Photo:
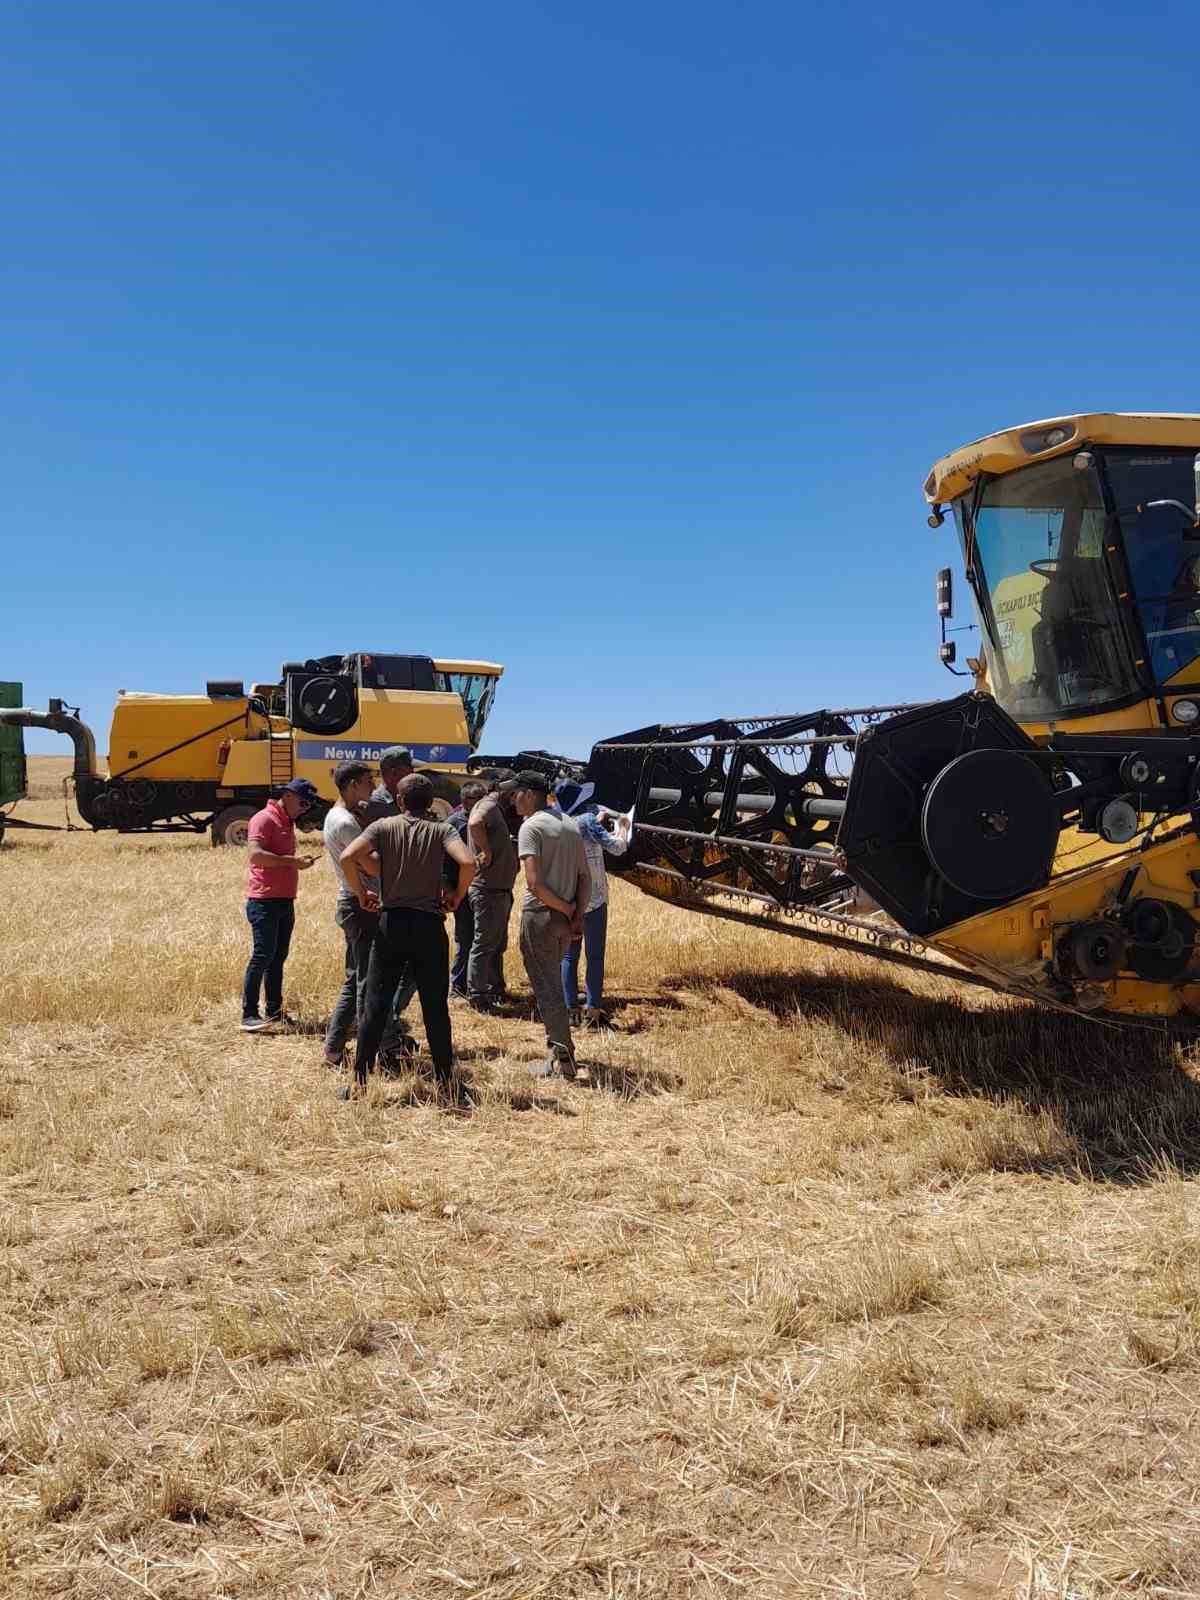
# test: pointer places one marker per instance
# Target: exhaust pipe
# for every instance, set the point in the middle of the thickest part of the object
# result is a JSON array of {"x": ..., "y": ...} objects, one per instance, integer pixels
[{"x": 59, "y": 720}]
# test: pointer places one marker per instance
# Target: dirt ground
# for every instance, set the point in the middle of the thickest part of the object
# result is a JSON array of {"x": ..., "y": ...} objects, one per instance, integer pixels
[{"x": 834, "y": 1284}]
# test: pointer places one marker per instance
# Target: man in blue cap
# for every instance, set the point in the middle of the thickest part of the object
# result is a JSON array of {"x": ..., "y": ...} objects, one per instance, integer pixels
[{"x": 272, "y": 880}]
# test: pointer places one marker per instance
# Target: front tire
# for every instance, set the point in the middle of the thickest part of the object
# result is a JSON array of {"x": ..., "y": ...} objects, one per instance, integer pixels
[{"x": 232, "y": 826}]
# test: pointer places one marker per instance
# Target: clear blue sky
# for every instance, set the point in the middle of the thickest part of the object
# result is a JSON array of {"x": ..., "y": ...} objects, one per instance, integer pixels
[{"x": 611, "y": 342}]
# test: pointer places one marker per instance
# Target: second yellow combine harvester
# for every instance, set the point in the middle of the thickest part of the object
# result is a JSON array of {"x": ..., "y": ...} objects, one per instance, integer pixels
[
  {"x": 190, "y": 763},
  {"x": 1040, "y": 830}
]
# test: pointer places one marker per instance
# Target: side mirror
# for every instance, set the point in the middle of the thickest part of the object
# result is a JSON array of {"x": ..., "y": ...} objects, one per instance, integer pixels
[{"x": 947, "y": 651}]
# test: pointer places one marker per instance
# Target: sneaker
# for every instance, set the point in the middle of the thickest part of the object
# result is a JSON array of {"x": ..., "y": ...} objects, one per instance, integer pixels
[
  {"x": 458, "y": 994},
  {"x": 281, "y": 1019},
  {"x": 334, "y": 1063},
  {"x": 254, "y": 1024},
  {"x": 594, "y": 1017}
]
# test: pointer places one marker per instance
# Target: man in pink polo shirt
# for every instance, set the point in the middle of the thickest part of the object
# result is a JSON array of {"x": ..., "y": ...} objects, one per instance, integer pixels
[{"x": 272, "y": 881}]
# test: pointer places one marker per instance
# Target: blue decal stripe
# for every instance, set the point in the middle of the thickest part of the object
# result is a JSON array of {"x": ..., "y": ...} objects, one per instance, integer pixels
[{"x": 338, "y": 750}]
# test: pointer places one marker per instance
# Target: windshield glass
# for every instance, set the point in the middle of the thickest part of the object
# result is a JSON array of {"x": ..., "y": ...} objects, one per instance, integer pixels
[
  {"x": 1054, "y": 641},
  {"x": 477, "y": 690},
  {"x": 1162, "y": 552}
]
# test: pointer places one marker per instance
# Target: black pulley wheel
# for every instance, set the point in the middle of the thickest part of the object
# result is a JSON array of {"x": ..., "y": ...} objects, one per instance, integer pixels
[
  {"x": 326, "y": 704},
  {"x": 990, "y": 824}
]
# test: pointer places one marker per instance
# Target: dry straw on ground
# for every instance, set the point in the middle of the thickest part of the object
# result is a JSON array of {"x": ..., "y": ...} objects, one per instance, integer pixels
[{"x": 835, "y": 1284}]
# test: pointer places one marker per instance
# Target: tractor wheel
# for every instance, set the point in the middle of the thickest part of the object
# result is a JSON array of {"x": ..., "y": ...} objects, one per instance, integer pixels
[{"x": 232, "y": 826}]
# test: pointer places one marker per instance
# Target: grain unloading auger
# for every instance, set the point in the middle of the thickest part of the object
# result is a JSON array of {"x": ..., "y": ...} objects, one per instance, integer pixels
[{"x": 1040, "y": 834}]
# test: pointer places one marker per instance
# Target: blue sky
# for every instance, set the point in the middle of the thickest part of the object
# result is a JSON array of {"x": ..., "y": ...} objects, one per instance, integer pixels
[{"x": 612, "y": 344}]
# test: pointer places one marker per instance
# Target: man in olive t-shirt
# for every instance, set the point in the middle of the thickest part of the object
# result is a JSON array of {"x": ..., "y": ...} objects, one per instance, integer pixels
[{"x": 407, "y": 853}]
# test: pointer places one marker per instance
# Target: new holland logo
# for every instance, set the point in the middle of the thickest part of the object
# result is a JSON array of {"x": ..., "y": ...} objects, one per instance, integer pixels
[{"x": 336, "y": 750}]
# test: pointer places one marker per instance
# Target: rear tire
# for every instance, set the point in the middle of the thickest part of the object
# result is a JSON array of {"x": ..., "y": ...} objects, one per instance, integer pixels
[{"x": 232, "y": 826}]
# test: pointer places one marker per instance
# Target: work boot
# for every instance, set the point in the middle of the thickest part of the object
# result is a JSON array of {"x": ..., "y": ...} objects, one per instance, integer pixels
[
  {"x": 394, "y": 1062},
  {"x": 453, "y": 1092},
  {"x": 559, "y": 1063}
]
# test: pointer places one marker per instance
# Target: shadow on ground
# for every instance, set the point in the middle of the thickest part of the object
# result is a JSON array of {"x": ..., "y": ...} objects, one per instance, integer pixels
[
  {"x": 629, "y": 1082},
  {"x": 1125, "y": 1096}
]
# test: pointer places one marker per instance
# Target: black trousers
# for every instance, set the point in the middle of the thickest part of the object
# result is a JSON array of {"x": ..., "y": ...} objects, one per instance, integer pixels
[
  {"x": 464, "y": 935},
  {"x": 416, "y": 938}
]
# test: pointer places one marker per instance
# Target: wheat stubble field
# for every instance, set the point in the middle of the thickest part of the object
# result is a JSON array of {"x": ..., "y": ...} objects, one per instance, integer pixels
[{"x": 837, "y": 1284}]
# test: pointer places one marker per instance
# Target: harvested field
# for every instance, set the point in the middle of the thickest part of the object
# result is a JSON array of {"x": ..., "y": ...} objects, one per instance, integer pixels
[{"x": 836, "y": 1284}]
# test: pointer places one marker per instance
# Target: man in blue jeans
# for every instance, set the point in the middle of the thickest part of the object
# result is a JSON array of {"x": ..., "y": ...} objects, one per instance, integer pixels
[
  {"x": 602, "y": 834},
  {"x": 272, "y": 880},
  {"x": 464, "y": 916}
]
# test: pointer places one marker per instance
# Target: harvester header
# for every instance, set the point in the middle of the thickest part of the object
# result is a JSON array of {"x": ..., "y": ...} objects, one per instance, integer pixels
[{"x": 1039, "y": 834}]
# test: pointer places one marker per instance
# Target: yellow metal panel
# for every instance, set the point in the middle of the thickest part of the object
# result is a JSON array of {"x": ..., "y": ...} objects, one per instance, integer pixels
[
  {"x": 146, "y": 727},
  {"x": 1017, "y": 940},
  {"x": 1129, "y": 719},
  {"x": 248, "y": 766},
  {"x": 408, "y": 716}
]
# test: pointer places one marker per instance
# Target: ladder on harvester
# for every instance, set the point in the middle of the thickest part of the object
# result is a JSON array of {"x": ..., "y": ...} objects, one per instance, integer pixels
[{"x": 282, "y": 753}]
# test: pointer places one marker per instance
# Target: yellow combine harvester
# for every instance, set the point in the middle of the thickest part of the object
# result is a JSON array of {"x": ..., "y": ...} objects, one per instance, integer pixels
[
  {"x": 186, "y": 763},
  {"x": 1040, "y": 830}
]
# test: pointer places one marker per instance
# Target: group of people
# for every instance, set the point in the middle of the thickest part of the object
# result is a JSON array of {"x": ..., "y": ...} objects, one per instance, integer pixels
[{"x": 400, "y": 870}]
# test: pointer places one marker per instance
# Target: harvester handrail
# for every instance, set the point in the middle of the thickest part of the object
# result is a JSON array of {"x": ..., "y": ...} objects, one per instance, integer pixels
[
  {"x": 852, "y": 711},
  {"x": 736, "y": 744}
]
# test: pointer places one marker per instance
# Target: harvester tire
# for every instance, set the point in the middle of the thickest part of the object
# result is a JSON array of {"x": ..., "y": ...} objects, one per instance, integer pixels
[{"x": 232, "y": 826}]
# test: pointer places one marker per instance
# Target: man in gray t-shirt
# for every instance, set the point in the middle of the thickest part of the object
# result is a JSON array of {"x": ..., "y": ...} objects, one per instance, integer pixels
[
  {"x": 491, "y": 899},
  {"x": 409, "y": 852},
  {"x": 557, "y": 886}
]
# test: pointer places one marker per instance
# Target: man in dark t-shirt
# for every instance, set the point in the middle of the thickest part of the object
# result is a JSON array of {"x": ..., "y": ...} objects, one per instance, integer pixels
[
  {"x": 491, "y": 899},
  {"x": 407, "y": 853}
]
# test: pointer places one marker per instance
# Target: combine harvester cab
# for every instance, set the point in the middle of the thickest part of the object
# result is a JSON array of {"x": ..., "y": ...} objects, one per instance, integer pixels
[
  {"x": 188, "y": 763},
  {"x": 1038, "y": 834}
]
